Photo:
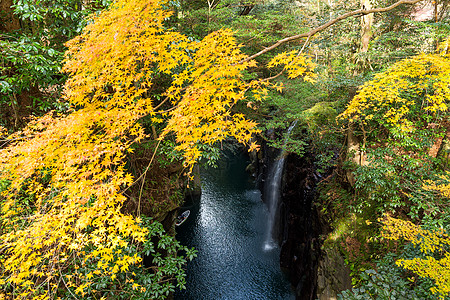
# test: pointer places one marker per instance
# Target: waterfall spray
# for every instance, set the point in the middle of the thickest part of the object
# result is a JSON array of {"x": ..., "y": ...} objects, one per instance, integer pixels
[{"x": 273, "y": 191}]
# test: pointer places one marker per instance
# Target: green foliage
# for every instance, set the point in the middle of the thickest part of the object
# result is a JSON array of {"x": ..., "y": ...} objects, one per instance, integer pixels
[
  {"x": 321, "y": 113},
  {"x": 397, "y": 184},
  {"x": 325, "y": 136},
  {"x": 387, "y": 282},
  {"x": 27, "y": 63},
  {"x": 32, "y": 55},
  {"x": 265, "y": 23},
  {"x": 61, "y": 20},
  {"x": 398, "y": 36},
  {"x": 279, "y": 110},
  {"x": 426, "y": 254},
  {"x": 266, "y": 26}
]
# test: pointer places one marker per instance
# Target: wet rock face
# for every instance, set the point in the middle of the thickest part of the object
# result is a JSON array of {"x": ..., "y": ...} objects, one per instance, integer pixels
[
  {"x": 299, "y": 227},
  {"x": 314, "y": 274}
]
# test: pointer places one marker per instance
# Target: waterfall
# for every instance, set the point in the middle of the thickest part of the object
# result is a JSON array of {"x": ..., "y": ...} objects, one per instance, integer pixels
[{"x": 273, "y": 187}]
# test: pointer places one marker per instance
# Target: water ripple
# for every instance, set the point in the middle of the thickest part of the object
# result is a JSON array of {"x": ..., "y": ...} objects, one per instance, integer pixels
[{"x": 227, "y": 226}]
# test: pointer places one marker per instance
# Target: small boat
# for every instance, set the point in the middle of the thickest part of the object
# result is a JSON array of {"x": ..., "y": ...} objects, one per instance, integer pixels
[{"x": 183, "y": 217}]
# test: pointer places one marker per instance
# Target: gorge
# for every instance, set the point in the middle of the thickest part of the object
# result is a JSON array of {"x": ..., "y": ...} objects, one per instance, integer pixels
[
  {"x": 227, "y": 226},
  {"x": 257, "y": 239}
]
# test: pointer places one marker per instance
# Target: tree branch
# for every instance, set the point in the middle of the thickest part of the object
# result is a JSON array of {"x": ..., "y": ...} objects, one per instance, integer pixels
[{"x": 359, "y": 12}]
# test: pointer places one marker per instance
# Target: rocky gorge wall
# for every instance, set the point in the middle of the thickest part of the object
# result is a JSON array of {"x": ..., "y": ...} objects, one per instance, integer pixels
[
  {"x": 314, "y": 273},
  {"x": 299, "y": 226}
]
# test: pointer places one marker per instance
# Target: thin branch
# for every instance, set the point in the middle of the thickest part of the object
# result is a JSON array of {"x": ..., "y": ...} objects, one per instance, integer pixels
[
  {"x": 143, "y": 179},
  {"x": 160, "y": 104},
  {"x": 359, "y": 12},
  {"x": 62, "y": 277},
  {"x": 304, "y": 45},
  {"x": 167, "y": 110},
  {"x": 143, "y": 174},
  {"x": 7, "y": 141},
  {"x": 165, "y": 100}
]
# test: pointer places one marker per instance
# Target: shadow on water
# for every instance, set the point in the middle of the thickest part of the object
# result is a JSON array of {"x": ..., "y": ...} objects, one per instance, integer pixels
[{"x": 227, "y": 226}]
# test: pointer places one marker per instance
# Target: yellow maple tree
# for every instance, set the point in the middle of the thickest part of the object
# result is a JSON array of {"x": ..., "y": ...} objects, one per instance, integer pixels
[
  {"x": 62, "y": 178},
  {"x": 391, "y": 97}
]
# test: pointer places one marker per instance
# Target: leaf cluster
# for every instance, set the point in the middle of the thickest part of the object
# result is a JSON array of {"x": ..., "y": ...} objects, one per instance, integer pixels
[{"x": 433, "y": 244}]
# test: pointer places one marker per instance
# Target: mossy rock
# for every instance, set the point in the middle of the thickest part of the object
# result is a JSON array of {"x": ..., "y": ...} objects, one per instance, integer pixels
[{"x": 321, "y": 113}]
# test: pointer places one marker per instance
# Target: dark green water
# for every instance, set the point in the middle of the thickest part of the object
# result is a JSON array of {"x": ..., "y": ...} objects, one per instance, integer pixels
[{"x": 228, "y": 227}]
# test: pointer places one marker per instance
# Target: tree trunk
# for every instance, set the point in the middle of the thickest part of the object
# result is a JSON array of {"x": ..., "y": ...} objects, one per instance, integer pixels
[
  {"x": 247, "y": 9},
  {"x": 366, "y": 26}
]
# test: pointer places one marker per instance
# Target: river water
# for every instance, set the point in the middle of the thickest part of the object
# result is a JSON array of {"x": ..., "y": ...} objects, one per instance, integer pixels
[{"x": 228, "y": 227}]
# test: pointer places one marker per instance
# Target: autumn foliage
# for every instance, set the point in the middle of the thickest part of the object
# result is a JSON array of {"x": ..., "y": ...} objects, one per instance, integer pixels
[
  {"x": 433, "y": 244},
  {"x": 407, "y": 105},
  {"x": 393, "y": 97},
  {"x": 63, "y": 229}
]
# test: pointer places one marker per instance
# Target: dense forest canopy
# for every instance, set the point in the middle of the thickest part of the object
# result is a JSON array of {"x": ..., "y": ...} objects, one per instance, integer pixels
[{"x": 107, "y": 106}]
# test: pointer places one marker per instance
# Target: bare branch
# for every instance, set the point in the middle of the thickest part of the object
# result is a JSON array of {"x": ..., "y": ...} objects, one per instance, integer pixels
[{"x": 359, "y": 12}]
